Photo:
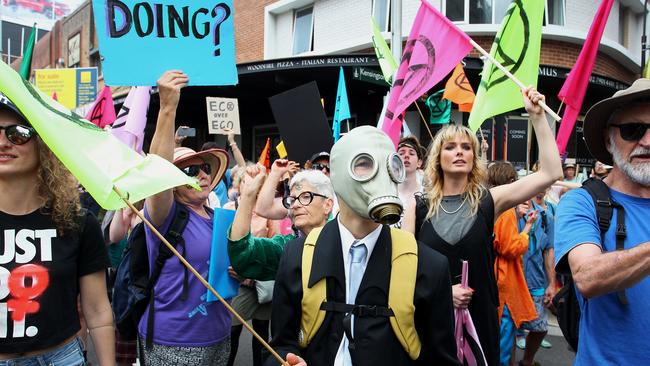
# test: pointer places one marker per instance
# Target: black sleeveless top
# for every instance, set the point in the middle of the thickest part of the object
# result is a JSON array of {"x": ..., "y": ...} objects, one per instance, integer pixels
[{"x": 477, "y": 249}]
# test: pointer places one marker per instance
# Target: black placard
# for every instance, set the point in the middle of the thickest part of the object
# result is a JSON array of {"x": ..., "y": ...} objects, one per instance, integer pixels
[
  {"x": 517, "y": 143},
  {"x": 302, "y": 122}
]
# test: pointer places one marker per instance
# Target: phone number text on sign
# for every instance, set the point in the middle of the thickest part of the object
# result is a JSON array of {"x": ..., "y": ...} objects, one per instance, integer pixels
[{"x": 223, "y": 115}]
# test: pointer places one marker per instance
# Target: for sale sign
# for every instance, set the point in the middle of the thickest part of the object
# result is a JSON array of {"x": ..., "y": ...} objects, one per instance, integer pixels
[{"x": 223, "y": 115}]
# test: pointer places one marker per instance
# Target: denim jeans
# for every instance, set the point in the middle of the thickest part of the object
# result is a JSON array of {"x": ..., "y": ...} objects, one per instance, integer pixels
[{"x": 69, "y": 354}]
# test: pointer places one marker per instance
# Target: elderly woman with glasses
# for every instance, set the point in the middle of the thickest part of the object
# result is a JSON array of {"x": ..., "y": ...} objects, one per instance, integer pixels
[
  {"x": 310, "y": 204},
  {"x": 51, "y": 253}
]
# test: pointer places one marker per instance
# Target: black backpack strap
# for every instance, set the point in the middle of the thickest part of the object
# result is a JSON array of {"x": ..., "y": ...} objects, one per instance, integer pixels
[
  {"x": 605, "y": 206},
  {"x": 174, "y": 236}
]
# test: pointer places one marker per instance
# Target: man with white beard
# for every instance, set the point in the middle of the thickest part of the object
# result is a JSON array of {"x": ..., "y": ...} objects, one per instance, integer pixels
[{"x": 613, "y": 327}]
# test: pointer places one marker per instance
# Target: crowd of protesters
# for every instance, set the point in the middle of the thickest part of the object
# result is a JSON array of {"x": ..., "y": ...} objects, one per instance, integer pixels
[{"x": 509, "y": 228}]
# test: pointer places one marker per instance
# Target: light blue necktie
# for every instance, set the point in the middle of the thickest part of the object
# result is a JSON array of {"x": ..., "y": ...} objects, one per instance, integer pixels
[{"x": 358, "y": 254}]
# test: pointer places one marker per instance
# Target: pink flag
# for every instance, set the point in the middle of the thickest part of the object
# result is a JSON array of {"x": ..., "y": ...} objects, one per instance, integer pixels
[
  {"x": 102, "y": 112},
  {"x": 130, "y": 122},
  {"x": 575, "y": 86},
  {"x": 434, "y": 47},
  {"x": 464, "y": 326}
]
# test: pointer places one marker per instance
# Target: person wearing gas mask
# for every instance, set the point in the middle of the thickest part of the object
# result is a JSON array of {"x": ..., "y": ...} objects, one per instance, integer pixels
[{"x": 357, "y": 292}]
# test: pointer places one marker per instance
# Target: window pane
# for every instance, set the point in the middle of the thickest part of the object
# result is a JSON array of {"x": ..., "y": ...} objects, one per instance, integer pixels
[
  {"x": 302, "y": 31},
  {"x": 480, "y": 11},
  {"x": 455, "y": 10},
  {"x": 500, "y": 8},
  {"x": 380, "y": 11},
  {"x": 555, "y": 12}
]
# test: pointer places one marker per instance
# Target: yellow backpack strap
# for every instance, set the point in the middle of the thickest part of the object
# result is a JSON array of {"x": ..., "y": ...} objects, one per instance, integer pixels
[
  {"x": 403, "y": 275},
  {"x": 312, "y": 298}
]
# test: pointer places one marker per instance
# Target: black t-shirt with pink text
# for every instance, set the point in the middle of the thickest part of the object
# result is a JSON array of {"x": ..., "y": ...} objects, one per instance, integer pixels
[{"x": 39, "y": 278}]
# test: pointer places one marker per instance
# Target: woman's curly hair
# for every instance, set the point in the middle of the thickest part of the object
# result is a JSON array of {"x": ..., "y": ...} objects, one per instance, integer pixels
[{"x": 58, "y": 189}]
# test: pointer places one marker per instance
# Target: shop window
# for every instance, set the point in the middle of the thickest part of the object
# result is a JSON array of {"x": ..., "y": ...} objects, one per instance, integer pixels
[
  {"x": 381, "y": 13},
  {"x": 455, "y": 10},
  {"x": 475, "y": 11},
  {"x": 554, "y": 12},
  {"x": 480, "y": 11},
  {"x": 303, "y": 30}
]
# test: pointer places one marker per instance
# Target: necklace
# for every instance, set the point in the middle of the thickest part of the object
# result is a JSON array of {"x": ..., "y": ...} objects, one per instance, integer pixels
[{"x": 456, "y": 210}]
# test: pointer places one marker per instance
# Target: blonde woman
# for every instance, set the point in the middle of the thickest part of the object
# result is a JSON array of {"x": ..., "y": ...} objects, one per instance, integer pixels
[
  {"x": 456, "y": 213},
  {"x": 51, "y": 253}
]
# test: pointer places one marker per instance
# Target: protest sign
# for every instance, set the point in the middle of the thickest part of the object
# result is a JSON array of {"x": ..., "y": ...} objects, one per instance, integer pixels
[
  {"x": 517, "y": 137},
  {"x": 140, "y": 40},
  {"x": 302, "y": 122},
  {"x": 223, "y": 115},
  {"x": 218, "y": 275},
  {"x": 73, "y": 87}
]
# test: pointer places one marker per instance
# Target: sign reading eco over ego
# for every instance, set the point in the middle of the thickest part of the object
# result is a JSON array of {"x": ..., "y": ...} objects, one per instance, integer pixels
[{"x": 140, "y": 40}]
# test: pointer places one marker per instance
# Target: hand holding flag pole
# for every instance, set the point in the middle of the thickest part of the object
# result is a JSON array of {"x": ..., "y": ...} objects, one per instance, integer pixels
[
  {"x": 198, "y": 275},
  {"x": 496, "y": 63}
]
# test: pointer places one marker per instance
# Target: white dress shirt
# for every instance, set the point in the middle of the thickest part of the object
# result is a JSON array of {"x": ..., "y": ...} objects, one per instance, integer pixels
[{"x": 347, "y": 239}]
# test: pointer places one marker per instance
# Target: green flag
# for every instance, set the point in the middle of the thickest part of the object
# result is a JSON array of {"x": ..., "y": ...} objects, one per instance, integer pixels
[
  {"x": 517, "y": 48},
  {"x": 385, "y": 57},
  {"x": 439, "y": 108},
  {"x": 26, "y": 63},
  {"x": 95, "y": 157},
  {"x": 646, "y": 70}
]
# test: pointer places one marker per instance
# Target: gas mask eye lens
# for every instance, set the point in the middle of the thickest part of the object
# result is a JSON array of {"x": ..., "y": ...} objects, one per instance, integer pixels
[
  {"x": 363, "y": 167},
  {"x": 396, "y": 168}
]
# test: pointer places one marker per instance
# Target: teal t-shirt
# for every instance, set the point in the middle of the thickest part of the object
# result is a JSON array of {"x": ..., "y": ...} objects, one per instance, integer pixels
[{"x": 610, "y": 333}]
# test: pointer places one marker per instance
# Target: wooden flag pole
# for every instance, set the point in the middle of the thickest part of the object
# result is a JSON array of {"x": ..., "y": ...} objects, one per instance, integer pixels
[
  {"x": 198, "y": 275},
  {"x": 512, "y": 77},
  {"x": 423, "y": 119},
  {"x": 561, "y": 104}
]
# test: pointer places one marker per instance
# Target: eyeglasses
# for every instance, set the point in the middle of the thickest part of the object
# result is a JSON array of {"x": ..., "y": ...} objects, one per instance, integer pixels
[
  {"x": 632, "y": 131},
  {"x": 18, "y": 134},
  {"x": 321, "y": 167},
  {"x": 304, "y": 198},
  {"x": 193, "y": 170}
]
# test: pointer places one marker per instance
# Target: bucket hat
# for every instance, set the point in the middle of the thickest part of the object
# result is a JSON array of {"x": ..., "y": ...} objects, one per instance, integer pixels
[{"x": 598, "y": 116}]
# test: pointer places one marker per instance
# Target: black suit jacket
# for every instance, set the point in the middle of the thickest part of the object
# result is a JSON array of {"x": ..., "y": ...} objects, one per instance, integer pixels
[{"x": 375, "y": 342}]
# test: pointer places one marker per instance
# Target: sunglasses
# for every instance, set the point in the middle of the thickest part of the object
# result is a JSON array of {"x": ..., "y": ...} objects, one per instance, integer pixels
[
  {"x": 304, "y": 198},
  {"x": 632, "y": 131},
  {"x": 18, "y": 134},
  {"x": 321, "y": 167},
  {"x": 193, "y": 170}
]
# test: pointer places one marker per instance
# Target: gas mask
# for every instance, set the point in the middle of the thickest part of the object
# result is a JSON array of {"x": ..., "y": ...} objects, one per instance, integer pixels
[{"x": 365, "y": 171}]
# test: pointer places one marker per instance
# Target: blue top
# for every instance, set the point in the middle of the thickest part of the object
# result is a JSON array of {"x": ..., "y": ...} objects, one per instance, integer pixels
[
  {"x": 610, "y": 333},
  {"x": 540, "y": 239},
  {"x": 193, "y": 322}
]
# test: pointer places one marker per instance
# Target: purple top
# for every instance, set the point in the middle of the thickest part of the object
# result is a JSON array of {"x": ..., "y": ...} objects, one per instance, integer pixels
[{"x": 193, "y": 322}]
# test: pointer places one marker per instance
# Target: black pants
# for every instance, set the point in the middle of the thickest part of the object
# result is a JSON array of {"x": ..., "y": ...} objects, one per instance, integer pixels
[{"x": 262, "y": 328}]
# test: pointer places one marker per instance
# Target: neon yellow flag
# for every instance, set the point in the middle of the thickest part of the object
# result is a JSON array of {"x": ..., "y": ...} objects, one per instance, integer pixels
[
  {"x": 517, "y": 48},
  {"x": 97, "y": 159},
  {"x": 646, "y": 70},
  {"x": 385, "y": 57}
]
